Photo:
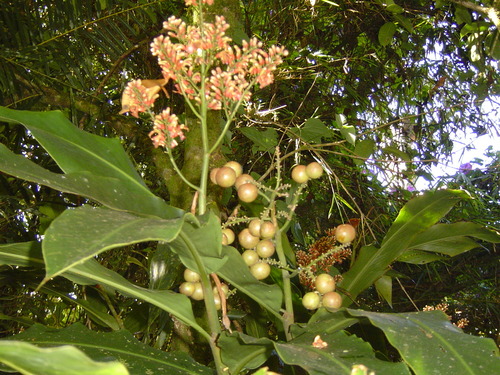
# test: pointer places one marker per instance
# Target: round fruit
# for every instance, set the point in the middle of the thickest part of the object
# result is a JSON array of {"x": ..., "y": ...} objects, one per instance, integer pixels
[
  {"x": 213, "y": 173},
  {"x": 248, "y": 192},
  {"x": 314, "y": 170},
  {"x": 191, "y": 276},
  {"x": 260, "y": 270},
  {"x": 224, "y": 239},
  {"x": 224, "y": 287},
  {"x": 225, "y": 177},
  {"x": 198, "y": 292},
  {"x": 299, "y": 174},
  {"x": 345, "y": 233},
  {"x": 311, "y": 300},
  {"x": 267, "y": 229},
  {"x": 324, "y": 283},
  {"x": 243, "y": 179},
  {"x": 217, "y": 302},
  {"x": 332, "y": 301},
  {"x": 229, "y": 235},
  {"x": 247, "y": 241},
  {"x": 265, "y": 248},
  {"x": 254, "y": 227},
  {"x": 186, "y": 288},
  {"x": 250, "y": 257},
  {"x": 238, "y": 169}
]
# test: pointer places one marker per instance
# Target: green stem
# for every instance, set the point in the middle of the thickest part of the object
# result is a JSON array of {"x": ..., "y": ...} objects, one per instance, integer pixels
[{"x": 208, "y": 296}]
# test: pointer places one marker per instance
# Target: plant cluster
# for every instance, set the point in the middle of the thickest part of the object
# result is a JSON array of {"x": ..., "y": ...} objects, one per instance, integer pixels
[{"x": 263, "y": 270}]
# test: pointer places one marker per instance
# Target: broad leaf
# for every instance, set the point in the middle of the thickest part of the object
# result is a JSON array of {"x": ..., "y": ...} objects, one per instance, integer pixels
[
  {"x": 415, "y": 217},
  {"x": 236, "y": 272},
  {"x": 240, "y": 351},
  {"x": 265, "y": 140},
  {"x": 386, "y": 33},
  {"x": 341, "y": 353},
  {"x": 363, "y": 149},
  {"x": 314, "y": 129},
  {"x": 430, "y": 344},
  {"x": 139, "y": 358},
  {"x": 91, "y": 272},
  {"x": 95, "y": 167},
  {"x": 30, "y": 359},
  {"x": 80, "y": 234}
]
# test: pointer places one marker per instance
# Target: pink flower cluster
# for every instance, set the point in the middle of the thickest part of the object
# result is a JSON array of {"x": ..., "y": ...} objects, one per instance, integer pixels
[
  {"x": 204, "y": 68},
  {"x": 233, "y": 69},
  {"x": 165, "y": 129}
]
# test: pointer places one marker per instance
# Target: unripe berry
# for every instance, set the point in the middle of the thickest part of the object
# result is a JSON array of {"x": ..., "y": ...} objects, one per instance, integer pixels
[
  {"x": 314, "y": 170},
  {"x": 324, "y": 283},
  {"x": 238, "y": 169},
  {"x": 225, "y": 177},
  {"x": 311, "y": 300},
  {"x": 345, "y": 233},
  {"x": 299, "y": 174}
]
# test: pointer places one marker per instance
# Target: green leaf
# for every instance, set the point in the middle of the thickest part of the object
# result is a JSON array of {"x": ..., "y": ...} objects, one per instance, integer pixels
[
  {"x": 430, "y": 344},
  {"x": 80, "y": 234},
  {"x": 265, "y": 140},
  {"x": 415, "y": 217},
  {"x": 363, "y": 149},
  {"x": 341, "y": 354},
  {"x": 347, "y": 131},
  {"x": 384, "y": 288},
  {"x": 397, "y": 152},
  {"x": 450, "y": 239},
  {"x": 314, "y": 130},
  {"x": 386, "y": 33},
  {"x": 419, "y": 257},
  {"x": 405, "y": 22},
  {"x": 96, "y": 167},
  {"x": 240, "y": 351},
  {"x": 139, "y": 358},
  {"x": 91, "y": 272},
  {"x": 203, "y": 236},
  {"x": 30, "y": 359},
  {"x": 236, "y": 272}
]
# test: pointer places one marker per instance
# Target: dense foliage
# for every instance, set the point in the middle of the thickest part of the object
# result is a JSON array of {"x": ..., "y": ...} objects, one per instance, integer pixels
[{"x": 374, "y": 91}]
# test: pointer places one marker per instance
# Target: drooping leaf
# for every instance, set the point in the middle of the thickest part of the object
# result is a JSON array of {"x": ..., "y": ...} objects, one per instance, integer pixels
[
  {"x": 121, "y": 346},
  {"x": 91, "y": 273},
  {"x": 450, "y": 239},
  {"x": 430, "y": 344},
  {"x": 415, "y": 217},
  {"x": 386, "y": 33},
  {"x": 347, "y": 131},
  {"x": 95, "y": 167},
  {"x": 80, "y": 234},
  {"x": 29, "y": 359}
]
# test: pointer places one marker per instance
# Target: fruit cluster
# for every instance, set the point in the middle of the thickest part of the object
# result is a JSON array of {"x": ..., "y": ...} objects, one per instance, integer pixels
[
  {"x": 232, "y": 174},
  {"x": 302, "y": 173},
  {"x": 192, "y": 287},
  {"x": 256, "y": 239},
  {"x": 324, "y": 295}
]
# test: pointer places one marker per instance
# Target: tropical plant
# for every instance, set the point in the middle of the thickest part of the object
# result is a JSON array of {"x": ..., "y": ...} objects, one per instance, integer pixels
[{"x": 262, "y": 304}]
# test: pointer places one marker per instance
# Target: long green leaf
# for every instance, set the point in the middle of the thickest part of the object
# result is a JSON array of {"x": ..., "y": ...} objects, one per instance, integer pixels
[
  {"x": 95, "y": 167},
  {"x": 29, "y": 359},
  {"x": 139, "y": 358},
  {"x": 91, "y": 272},
  {"x": 80, "y": 234},
  {"x": 450, "y": 239},
  {"x": 415, "y": 217},
  {"x": 430, "y": 344}
]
